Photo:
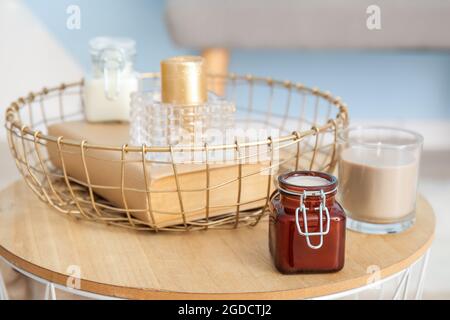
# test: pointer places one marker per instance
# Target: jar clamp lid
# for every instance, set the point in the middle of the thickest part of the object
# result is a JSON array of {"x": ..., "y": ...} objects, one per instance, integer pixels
[{"x": 310, "y": 191}]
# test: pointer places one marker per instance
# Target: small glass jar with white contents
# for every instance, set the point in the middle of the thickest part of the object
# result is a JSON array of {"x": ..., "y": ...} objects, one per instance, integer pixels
[{"x": 108, "y": 87}]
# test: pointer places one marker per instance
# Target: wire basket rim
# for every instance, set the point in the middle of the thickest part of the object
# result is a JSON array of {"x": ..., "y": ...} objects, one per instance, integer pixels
[{"x": 341, "y": 118}]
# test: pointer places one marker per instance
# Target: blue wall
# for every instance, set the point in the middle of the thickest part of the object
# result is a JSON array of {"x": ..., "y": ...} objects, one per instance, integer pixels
[{"x": 374, "y": 84}]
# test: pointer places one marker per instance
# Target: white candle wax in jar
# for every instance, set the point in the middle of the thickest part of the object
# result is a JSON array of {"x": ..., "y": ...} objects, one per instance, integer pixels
[
  {"x": 100, "y": 108},
  {"x": 107, "y": 90},
  {"x": 307, "y": 181}
]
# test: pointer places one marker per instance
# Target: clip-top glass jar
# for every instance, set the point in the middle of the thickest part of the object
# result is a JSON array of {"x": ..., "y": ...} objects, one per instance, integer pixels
[
  {"x": 307, "y": 224},
  {"x": 108, "y": 88}
]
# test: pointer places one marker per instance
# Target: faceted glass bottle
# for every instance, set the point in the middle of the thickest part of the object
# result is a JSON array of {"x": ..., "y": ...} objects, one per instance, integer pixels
[
  {"x": 307, "y": 225},
  {"x": 181, "y": 112},
  {"x": 157, "y": 123}
]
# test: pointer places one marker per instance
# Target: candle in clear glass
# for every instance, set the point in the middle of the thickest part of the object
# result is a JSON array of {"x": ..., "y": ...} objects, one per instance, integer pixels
[
  {"x": 378, "y": 172},
  {"x": 307, "y": 225},
  {"x": 107, "y": 89}
]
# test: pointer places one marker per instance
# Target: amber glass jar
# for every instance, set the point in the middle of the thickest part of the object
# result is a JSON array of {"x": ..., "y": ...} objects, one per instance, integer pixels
[{"x": 307, "y": 224}]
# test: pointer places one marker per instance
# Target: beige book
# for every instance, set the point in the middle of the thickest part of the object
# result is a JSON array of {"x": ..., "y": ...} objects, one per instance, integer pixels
[{"x": 104, "y": 168}]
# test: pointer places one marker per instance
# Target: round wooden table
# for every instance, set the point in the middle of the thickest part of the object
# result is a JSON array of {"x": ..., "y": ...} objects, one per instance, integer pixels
[{"x": 98, "y": 261}]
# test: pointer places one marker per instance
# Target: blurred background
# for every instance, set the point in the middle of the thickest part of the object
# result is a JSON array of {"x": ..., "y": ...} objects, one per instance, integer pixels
[{"x": 397, "y": 73}]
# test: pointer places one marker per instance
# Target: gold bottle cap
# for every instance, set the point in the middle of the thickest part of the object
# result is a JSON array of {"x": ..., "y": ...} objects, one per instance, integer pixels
[{"x": 183, "y": 81}]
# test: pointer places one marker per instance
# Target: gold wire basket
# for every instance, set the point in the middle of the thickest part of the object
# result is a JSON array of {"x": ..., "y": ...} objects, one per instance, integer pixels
[{"x": 307, "y": 119}]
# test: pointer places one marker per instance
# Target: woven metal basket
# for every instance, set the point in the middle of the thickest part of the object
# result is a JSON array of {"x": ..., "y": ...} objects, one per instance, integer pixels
[{"x": 307, "y": 119}]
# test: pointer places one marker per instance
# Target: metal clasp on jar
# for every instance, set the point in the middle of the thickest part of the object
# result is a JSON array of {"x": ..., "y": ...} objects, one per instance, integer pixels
[{"x": 321, "y": 210}]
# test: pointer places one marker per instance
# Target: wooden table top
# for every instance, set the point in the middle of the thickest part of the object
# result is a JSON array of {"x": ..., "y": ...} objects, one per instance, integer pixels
[{"x": 223, "y": 264}]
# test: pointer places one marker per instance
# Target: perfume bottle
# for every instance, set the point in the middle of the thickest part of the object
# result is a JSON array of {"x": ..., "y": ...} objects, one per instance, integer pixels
[
  {"x": 307, "y": 225},
  {"x": 182, "y": 112},
  {"x": 107, "y": 90}
]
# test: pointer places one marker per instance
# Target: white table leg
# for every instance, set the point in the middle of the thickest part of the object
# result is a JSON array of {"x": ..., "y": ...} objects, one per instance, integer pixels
[
  {"x": 405, "y": 290},
  {"x": 50, "y": 293},
  {"x": 423, "y": 270},
  {"x": 401, "y": 285},
  {"x": 3, "y": 291}
]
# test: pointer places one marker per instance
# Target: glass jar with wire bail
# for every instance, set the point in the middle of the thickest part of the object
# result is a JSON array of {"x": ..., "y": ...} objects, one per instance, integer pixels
[{"x": 307, "y": 225}]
